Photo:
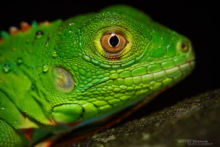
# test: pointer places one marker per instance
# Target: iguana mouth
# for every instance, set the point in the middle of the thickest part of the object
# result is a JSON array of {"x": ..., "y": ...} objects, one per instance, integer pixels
[
  {"x": 184, "y": 68},
  {"x": 165, "y": 77},
  {"x": 175, "y": 73},
  {"x": 147, "y": 84}
]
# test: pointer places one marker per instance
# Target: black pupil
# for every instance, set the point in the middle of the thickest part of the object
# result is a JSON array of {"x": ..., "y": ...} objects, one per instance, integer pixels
[{"x": 114, "y": 41}]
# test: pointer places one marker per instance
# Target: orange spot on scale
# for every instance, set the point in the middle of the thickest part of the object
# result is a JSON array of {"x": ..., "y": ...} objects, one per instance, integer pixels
[
  {"x": 1, "y": 40},
  {"x": 24, "y": 26},
  {"x": 47, "y": 143},
  {"x": 24, "y": 115},
  {"x": 13, "y": 30},
  {"x": 28, "y": 133},
  {"x": 45, "y": 23},
  {"x": 52, "y": 122},
  {"x": 74, "y": 124}
]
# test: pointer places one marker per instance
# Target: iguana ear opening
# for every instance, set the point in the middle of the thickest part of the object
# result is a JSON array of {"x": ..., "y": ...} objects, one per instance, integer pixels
[{"x": 63, "y": 79}]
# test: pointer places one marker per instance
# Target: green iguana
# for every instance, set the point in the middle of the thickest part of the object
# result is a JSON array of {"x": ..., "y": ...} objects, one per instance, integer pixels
[{"x": 61, "y": 75}]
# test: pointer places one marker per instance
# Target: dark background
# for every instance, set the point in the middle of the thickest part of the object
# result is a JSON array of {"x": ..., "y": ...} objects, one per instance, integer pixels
[{"x": 197, "y": 20}]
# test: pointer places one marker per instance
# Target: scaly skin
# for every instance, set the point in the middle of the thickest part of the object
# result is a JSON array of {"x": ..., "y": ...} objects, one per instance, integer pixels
[{"x": 60, "y": 73}]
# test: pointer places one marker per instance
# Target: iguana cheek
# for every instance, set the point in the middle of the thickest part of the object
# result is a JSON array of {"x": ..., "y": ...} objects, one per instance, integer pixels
[{"x": 63, "y": 79}]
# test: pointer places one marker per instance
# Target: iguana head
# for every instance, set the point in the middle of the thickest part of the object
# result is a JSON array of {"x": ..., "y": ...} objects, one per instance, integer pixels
[{"x": 109, "y": 60}]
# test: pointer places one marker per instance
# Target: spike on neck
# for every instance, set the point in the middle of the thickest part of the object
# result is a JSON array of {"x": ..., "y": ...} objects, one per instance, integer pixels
[{"x": 24, "y": 27}]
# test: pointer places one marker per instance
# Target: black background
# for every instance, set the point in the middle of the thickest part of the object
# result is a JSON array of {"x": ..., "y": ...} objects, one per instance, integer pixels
[{"x": 197, "y": 21}]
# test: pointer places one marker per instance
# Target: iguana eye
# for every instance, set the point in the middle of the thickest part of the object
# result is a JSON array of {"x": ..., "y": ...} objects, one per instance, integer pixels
[{"x": 113, "y": 43}]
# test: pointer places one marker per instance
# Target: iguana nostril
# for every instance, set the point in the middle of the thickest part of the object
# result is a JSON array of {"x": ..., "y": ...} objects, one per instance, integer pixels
[{"x": 184, "y": 47}]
